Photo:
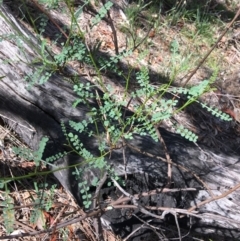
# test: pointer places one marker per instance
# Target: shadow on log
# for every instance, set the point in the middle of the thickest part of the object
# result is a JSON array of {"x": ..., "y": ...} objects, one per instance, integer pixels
[{"x": 38, "y": 111}]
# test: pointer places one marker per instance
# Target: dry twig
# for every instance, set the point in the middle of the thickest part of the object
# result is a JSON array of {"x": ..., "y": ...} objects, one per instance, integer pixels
[{"x": 213, "y": 47}]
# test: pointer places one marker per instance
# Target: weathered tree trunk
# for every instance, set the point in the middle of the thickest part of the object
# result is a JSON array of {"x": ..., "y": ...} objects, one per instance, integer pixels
[{"x": 37, "y": 112}]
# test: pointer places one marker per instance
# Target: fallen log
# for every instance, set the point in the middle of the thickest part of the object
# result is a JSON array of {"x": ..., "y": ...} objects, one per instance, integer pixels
[{"x": 38, "y": 111}]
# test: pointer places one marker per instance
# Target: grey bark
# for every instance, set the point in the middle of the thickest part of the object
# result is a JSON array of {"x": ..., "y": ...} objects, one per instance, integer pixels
[{"x": 37, "y": 112}]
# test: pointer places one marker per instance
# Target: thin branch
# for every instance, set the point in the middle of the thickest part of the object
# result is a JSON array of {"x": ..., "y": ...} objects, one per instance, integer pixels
[
  {"x": 178, "y": 228},
  {"x": 124, "y": 162},
  {"x": 110, "y": 21},
  {"x": 97, "y": 221},
  {"x": 50, "y": 17},
  {"x": 174, "y": 164},
  {"x": 146, "y": 36},
  {"x": 213, "y": 47},
  {"x": 154, "y": 229},
  {"x": 169, "y": 174},
  {"x": 150, "y": 193},
  {"x": 214, "y": 198},
  {"x": 134, "y": 231},
  {"x": 135, "y": 202}
]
